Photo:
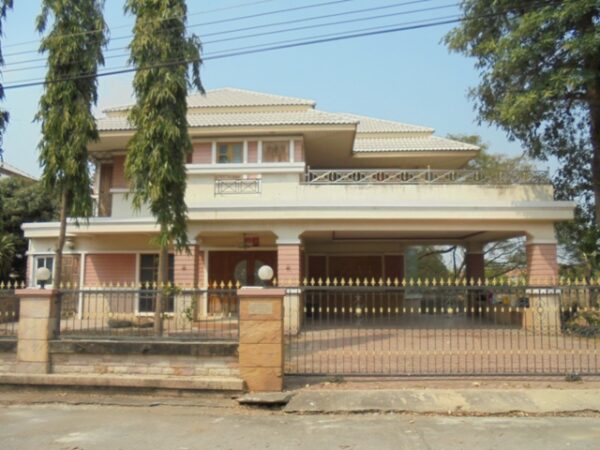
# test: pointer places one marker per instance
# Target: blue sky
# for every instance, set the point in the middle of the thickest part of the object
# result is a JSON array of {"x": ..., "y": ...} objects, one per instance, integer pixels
[{"x": 408, "y": 76}]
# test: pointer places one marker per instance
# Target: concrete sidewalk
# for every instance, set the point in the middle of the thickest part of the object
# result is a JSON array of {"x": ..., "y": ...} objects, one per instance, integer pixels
[{"x": 447, "y": 401}]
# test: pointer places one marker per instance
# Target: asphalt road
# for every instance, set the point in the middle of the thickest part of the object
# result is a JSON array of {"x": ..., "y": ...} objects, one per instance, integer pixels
[{"x": 87, "y": 427}]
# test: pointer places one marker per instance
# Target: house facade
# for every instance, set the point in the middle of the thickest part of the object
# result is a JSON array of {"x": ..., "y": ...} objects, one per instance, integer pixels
[{"x": 316, "y": 195}]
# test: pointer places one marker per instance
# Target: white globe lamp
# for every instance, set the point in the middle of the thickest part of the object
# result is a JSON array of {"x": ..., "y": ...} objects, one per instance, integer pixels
[
  {"x": 265, "y": 273},
  {"x": 42, "y": 276}
]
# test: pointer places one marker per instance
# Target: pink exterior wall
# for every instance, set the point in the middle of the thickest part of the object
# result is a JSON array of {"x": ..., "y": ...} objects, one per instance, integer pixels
[
  {"x": 298, "y": 151},
  {"x": 288, "y": 265},
  {"x": 106, "y": 268},
  {"x": 252, "y": 151},
  {"x": 542, "y": 266},
  {"x": 119, "y": 180},
  {"x": 202, "y": 153},
  {"x": 185, "y": 269}
]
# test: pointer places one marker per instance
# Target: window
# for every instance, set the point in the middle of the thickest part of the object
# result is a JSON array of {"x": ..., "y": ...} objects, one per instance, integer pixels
[
  {"x": 276, "y": 151},
  {"x": 228, "y": 153},
  {"x": 149, "y": 275},
  {"x": 48, "y": 263}
]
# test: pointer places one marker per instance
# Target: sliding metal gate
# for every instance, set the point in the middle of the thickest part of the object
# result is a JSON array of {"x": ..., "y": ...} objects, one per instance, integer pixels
[{"x": 443, "y": 330}]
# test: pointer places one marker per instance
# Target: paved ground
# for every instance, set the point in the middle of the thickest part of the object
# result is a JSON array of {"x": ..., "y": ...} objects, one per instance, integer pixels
[{"x": 69, "y": 427}]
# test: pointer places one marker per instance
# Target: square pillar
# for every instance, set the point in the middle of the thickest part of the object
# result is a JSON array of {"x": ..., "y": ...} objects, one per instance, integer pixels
[
  {"x": 542, "y": 265},
  {"x": 201, "y": 261},
  {"x": 543, "y": 315},
  {"x": 474, "y": 262},
  {"x": 474, "y": 272},
  {"x": 288, "y": 264},
  {"x": 261, "y": 338},
  {"x": 185, "y": 274},
  {"x": 288, "y": 276},
  {"x": 36, "y": 328},
  {"x": 185, "y": 277}
]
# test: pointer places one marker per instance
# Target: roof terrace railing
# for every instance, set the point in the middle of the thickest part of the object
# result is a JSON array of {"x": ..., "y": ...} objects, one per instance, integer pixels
[{"x": 424, "y": 176}]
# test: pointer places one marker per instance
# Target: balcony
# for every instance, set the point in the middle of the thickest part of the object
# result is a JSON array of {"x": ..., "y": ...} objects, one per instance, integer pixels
[
  {"x": 294, "y": 191},
  {"x": 423, "y": 176}
]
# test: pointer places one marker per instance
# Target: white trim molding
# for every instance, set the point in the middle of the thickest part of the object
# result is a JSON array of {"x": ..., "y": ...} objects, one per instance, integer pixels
[{"x": 231, "y": 168}]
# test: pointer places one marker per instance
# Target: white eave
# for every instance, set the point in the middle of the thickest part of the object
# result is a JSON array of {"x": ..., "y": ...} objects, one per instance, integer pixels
[{"x": 410, "y": 144}]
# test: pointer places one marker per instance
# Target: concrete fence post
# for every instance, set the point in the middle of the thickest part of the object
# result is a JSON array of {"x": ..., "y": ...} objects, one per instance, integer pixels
[
  {"x": 37, "y": 312},
  {"x": 261, "y": 338}
]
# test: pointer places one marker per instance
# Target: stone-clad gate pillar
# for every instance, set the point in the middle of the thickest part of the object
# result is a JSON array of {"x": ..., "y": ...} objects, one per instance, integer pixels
[
  {"x": 36, "y": 328},
  {"x": 261, "y": 338}
]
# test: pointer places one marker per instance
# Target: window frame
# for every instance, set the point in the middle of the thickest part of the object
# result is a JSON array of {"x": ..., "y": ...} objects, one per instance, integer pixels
[
  {"x": 142, "y": 292},
  {"x": 35, "y": 267},
  {"x": 287, "y": 152},
  {"x": 230, "y": 145}
]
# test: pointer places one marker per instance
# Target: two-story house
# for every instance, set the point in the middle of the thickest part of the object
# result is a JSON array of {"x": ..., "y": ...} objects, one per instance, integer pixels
[{"x": 273, "y": 180}]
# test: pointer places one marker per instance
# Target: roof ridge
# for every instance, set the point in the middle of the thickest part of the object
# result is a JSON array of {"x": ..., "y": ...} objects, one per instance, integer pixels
[
  {"x": 269, "y": 100},
  {"x": 362, "y": 116},
  {"x": 266, "y": 94}
]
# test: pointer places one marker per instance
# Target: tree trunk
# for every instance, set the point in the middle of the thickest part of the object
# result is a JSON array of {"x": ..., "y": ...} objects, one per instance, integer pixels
[
  {"x": 58, "y": 258},
  {"x": 592, "y": 65},
  {"x": 595, "y": 138},
  {"x": 161, "y": 298}
]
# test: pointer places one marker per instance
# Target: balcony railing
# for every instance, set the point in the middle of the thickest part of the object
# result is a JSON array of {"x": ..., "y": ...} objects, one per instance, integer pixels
[
  {"x": 423, "y": 176},
  {"x": 237, "y": 186}
]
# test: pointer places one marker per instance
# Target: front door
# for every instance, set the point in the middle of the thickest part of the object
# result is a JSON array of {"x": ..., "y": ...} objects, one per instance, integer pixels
[
  {"x": 234, "y": 267},
  {"x": 239, "y": 266}
]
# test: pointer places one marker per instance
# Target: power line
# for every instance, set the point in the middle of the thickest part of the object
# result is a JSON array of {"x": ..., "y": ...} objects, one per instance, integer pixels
[
  {"x": 287, "y": 30},
  {"x": 295, "y": 40},
  {"x": 266, "y": 48},
  {"x": 340, "y": 33},
  {"x": 232, "y": 53},
  {"x": 209, "y": 11},
  {"x": 230, "y": 19},
  {"x": 287, "y": 22},
  {"x": 235, "y": 30}
]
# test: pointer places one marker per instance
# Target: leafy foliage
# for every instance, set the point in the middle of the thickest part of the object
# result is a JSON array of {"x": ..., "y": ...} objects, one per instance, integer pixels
[
  {"x": 7, "y": 255},
  {"x": 430, "y": 264},
  {"x": 5, "y": 5},
  {"x": 168, "y": 62},
  {"x": 584, "y": 323},
  {"x": 493, "y": 163},
  {"x": 20, "y": 201},
  {"x": 540, "y": 82},
  {"x": 155, "y": 163},
  {"x": 74, "y": 47},
  {"x": 65, "y": 110}
]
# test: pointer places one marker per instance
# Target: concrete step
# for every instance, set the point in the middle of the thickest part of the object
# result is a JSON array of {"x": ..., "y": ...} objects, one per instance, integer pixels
[
  {"x": 126, "y": 381},
  {"x": 445, "y": 401}
]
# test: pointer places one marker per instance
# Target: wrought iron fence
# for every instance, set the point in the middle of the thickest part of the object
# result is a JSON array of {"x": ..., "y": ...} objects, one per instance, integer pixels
[
  {"x": 453, "y": 329},
  {"x": 423, "y": 176},
  {"x": 9, "y": 312},
  {"x": 187, "y": 314}
]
